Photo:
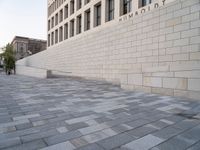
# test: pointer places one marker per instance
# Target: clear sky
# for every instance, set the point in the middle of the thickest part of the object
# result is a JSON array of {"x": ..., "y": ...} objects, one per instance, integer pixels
[{"x": 22, "y": 18}]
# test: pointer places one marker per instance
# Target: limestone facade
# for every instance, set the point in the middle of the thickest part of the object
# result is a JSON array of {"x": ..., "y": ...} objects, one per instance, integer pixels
[{"x": 157, "y": 51}]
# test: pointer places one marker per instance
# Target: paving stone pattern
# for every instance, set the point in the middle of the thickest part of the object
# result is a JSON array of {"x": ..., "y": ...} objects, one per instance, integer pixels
[{"x": 77, "y": 114}]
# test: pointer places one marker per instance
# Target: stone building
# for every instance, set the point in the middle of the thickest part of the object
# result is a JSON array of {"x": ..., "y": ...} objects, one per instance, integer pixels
[
  {"x": 24, "y": 46},
  {"x": 145, "y": 45}
]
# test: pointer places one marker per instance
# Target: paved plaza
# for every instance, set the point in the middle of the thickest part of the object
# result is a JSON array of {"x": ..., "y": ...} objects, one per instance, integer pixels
[{"x": 76, "y": 114}]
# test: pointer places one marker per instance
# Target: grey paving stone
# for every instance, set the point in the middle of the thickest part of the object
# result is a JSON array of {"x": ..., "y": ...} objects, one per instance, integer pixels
[
  {"x": 33, "y": 145},
  {"x": 121, "y": 128},
  {"x": 115, "y": 141},
  {"x": 92, "y": 129},
  {"x": 61, "y": 146},
  {"x": 23, "y": 126},
  {"x": 26, "y": 117},
  {"x": 138, "y": 123},
  {"x": 94, "y": 137},
  {"x": 76, "y": 126},
  {"x": 176, "y": 143},
  {"x": 39, "y": 123},
  {"x": 40, "y": 135},
  {"x": 196, "y": 146},
  {"x": 167, "y": 132},
  {"x": 91, "y": 111},
  {"x": 191, "y": 134},
  {"x": 62, "y": 129},
  {"x": 186, "y": 124},
  {"x": 62, "y": 137},
  {"x": 144, "y": 143},
  {"x": 141, "y": 131},
  {"x": 79, "y": 142},
  {"x": 91, "y": 147},
  {"x": 5, "y": 119},
  {"x": 9, "y": 142}
]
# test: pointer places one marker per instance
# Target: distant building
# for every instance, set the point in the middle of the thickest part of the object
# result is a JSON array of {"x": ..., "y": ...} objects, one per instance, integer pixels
[{"x": 24, "y": 46}]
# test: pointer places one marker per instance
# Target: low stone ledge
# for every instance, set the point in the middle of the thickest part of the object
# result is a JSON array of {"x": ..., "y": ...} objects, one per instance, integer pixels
[{"x": 31, "y": 71}]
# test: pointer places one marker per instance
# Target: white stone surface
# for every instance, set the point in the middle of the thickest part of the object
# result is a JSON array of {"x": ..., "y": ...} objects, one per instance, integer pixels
[{"x": 155, "y": 52}]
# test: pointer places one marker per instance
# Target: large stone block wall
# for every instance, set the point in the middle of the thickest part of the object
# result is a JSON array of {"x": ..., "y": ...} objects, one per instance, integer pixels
[{"x": 157, "y": 52}]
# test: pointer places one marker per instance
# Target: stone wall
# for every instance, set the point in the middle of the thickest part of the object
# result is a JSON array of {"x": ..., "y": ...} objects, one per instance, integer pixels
[{"x": 157, "y": 52}]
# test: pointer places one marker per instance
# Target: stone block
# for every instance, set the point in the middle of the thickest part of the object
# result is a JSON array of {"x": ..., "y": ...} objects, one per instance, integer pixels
[
  {"x": 195, "y": 56},
  {"x": 190, "y": 17},
  {"x": 37, "y": 136},
  {"x": 181, "y": 42},
  {"x": 26, "y": 117},
  {"x": 194, "y": 84},
  {"x": 37, "y": 144},
  {"x": 144, "y": 143},
  {"x": 182, "y": 12},
  {"x": 135, "y": 79},
  {"x": 194, "y": 95},
  {"x": 95, "y": 137},
  {"x": 91, "y": 147},
  {"x": 173, "y": 50},
  {"x": 9, "y": 142},
  {"x": 173, "y": 22},
  {"x": 61, "y": 146},
  {"x": 190, "y": 48},
  {"x": 62, "y": 137},
  {"x": 152, "y": 81},
  {"x": 142, "y": 88},
  {"x": 195, "y": 24},
  {"x": 184, "y": 66},
  {"x": 163, "y": 91},
  {"x": 195, "y": 8},
  {"x": 115, "y": 141},
  {"x": 173, "y": 36},
  {"x": 163, "y": 74},
  {"x": 155, "y": 69},
  {"x": 175, "y": 83},
  {"x": 178, "y": 57},
  {"x": 165, "y": 58},
  {"x": 195, "y": 40},
  {"x": 182, "y": 27},
  {"x": 181, "y": 93},
  {"x": 188, "y": 74},
  {"x": 190, "y": 33}
]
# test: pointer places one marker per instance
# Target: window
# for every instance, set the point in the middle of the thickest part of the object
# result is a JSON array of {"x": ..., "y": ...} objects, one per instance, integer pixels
[
  {"x": 79, "y": 4},
  {"x": 52, "y": 22},
  {"x": 56, "y": 36},
  {"x": 97, "y": 15},
  {"x": 87, "y": 20},
  {"x": 127, "y": 6},
  {"x": 79, "y": 24},
  {"x": 61, "y": 15},
  {"x": 110, "y": 10},
  {"x": 56, "y": 19},
  {"x": 60, "y": 34},
  {"x": 72, "y": 28},
  {"x": 52, "y": 38},
  {"x": 49, "y": 25},
  {"x": 49, "y": 39},
  {"x": 71, "y": 7},
  {"x": 66, "y": 31},
  {"x": 145, "y": 2},
  {"x": 66, "y": 11},
  {"x": 87, "y": 1}
]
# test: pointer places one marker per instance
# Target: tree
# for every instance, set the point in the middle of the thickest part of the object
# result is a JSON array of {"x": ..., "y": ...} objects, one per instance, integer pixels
[{"x": 9, "y": 59}]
